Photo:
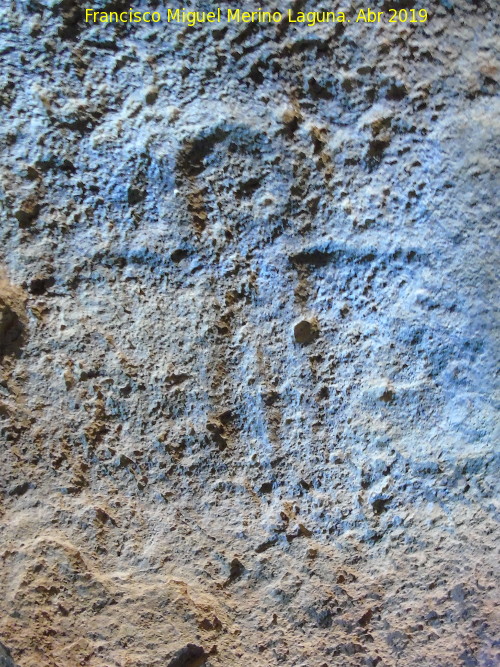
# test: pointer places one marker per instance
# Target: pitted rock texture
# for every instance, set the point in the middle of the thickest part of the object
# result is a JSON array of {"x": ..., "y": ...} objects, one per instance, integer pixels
[{"x": 249, "y": 341}]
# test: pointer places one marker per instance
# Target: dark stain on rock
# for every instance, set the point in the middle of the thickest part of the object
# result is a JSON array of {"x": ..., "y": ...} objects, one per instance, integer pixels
[
  {"x": 305, "y": 332},
  {"x": 190, "y": 655},
  {"x": 12, "y": 328}
]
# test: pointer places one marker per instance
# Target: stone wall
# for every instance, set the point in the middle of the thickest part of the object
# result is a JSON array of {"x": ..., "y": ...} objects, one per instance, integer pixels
[{"x": 248, "y": 339}]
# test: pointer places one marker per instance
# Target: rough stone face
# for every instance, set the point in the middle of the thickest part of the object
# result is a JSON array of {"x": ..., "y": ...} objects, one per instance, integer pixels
[{"x": 249, "y": 340}]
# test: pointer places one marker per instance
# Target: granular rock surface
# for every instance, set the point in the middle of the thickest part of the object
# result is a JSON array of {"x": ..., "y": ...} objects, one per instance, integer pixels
[{"x": 249, "y": 340}]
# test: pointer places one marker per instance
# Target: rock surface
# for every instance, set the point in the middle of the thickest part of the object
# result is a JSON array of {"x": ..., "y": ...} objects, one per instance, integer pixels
[
  {"x": 184, "y": 481},
  {"x": 5, "y": 657}
]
